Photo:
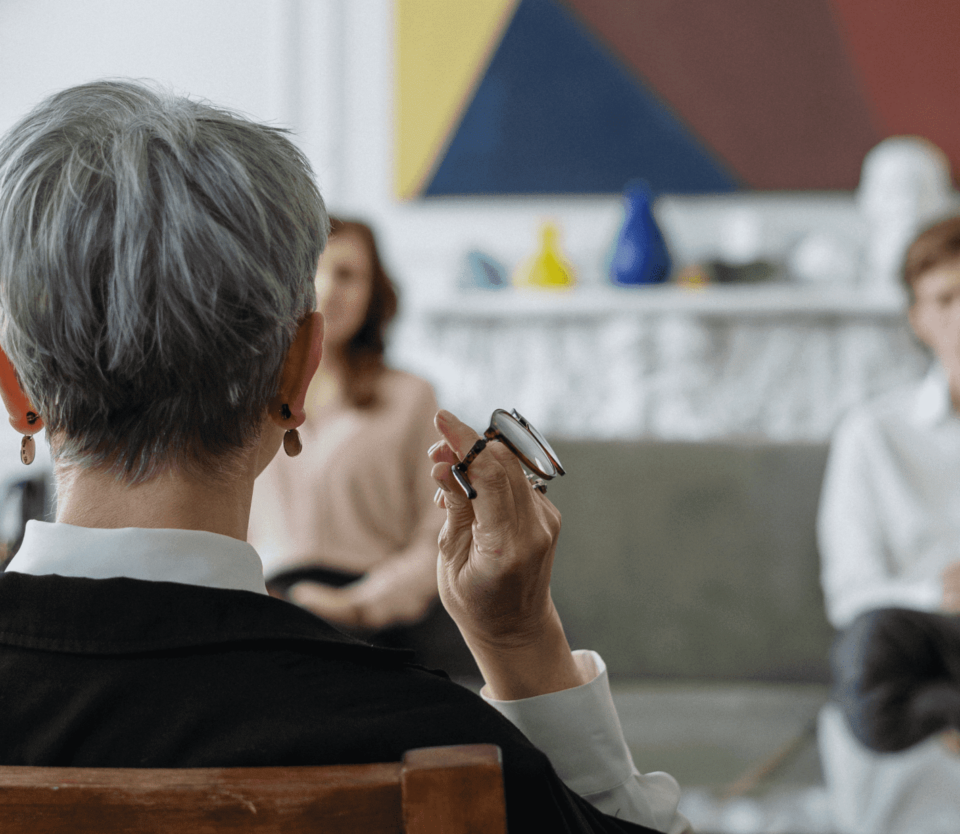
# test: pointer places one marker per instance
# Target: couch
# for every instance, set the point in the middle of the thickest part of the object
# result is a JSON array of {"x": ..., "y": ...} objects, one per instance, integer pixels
[{"x": 693, "y": 560}]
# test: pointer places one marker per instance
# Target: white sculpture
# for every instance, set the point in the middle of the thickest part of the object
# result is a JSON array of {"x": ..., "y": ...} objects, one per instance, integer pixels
[{"x": 904, "y": 184}]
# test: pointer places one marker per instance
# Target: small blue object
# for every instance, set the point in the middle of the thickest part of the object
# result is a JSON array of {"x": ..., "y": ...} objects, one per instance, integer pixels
[
  {"x": 480, "y": 271},
  {"x": 640, "y": 255}
]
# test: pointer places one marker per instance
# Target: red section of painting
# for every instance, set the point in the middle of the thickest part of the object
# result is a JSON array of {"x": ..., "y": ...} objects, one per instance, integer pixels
[
  {"x": 907, "y": 57},
  {"x": 768, "y": 86}
]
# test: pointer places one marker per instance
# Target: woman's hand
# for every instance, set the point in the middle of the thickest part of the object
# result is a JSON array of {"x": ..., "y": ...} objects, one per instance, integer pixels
[
  {"x": 398, "y": 591},
  {"x": 496, "y": 557}
]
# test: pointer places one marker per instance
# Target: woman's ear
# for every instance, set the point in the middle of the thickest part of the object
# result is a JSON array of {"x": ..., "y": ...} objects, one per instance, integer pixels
[
  {"x": 301, "y": 364},
  {"x": 23, "y": 416}
]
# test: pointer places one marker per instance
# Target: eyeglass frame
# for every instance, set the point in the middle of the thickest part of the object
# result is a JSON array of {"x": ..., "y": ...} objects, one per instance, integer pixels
[{"x": 535, "y": 475}]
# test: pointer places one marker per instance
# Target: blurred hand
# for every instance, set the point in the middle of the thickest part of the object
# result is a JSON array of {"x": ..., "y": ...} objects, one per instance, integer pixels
[
  {"x": 496, "y": 556},
  {"x": 396, "y": 592},
  {"x": 951, "y": 588}
]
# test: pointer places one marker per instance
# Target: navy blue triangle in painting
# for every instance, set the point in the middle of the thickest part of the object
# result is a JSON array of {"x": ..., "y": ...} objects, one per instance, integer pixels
[{"x": 556, "y": 113}]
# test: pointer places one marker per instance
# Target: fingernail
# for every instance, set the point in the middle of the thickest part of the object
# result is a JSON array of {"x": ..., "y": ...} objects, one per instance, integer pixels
[
  {"x": 435, "y": 446},
  {"x": 444, "y": 416},
  {"x": 443, "y": 486}
]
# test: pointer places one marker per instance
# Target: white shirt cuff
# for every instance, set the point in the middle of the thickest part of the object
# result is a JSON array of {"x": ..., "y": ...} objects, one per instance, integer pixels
[
  {"x": 578, "y": 729},
  {"x": 580, "y": 732}
]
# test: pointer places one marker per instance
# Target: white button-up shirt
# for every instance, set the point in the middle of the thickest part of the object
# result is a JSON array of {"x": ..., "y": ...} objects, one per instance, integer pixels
[
  {"x": 889, "y": 519},
  {"x": 577, "y": 728}
]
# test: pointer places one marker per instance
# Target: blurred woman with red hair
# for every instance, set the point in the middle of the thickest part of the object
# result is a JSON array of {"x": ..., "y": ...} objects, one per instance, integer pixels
[{"x": 349, "y": 529}]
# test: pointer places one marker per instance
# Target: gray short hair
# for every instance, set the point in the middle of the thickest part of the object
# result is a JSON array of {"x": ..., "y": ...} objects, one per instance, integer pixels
[{"x": 156, "y": 256}]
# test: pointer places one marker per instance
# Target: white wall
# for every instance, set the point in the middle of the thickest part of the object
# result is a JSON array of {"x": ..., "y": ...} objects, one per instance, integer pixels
[
  {"x": 221, "y": 49},
  {"x": 275, "y": 60}
]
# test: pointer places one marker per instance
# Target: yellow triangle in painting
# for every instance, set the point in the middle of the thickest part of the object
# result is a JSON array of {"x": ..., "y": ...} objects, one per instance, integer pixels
[{"x": 442, "y": 50}]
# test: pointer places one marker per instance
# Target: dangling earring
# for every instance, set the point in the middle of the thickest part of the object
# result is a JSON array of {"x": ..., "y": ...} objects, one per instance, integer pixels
[
  {"x": 28, "y": 446},
  {"x": 291, "y": 443},
  {"x": 28, "y": 449},
  {"x": 291, "y": 438}
]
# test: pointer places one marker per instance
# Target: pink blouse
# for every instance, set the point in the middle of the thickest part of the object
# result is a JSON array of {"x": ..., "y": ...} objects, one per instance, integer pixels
[{"x": 360, "y": 491}]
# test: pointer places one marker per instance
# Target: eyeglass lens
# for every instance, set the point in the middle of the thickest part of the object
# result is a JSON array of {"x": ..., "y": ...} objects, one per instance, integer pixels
[
  {"x": 526, "y": 443},
  {"x": 536, "y": 456},
  {"x": 541, "y": 440}
]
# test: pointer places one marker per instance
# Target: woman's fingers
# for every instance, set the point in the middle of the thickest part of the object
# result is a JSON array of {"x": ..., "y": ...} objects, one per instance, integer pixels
[
  {"x": 457, "y": 442},
  {"x": 457, "y": 434},
  {"x": 440, "y": 452},
  {"x": 456, "y": 537},
  {"x": 497, "y": 549},
  {"x": 509, "y": 526},
  {"x": 506, "y": 505},
  {"x": 495, "y": 473}
]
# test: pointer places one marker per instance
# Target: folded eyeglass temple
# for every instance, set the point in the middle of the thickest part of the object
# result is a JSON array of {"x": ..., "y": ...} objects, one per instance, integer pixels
[{"x": 459, "y": 470}]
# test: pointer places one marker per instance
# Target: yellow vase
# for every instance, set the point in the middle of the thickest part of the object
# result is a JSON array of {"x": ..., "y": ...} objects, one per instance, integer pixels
[{"x": 548, "y": 269}]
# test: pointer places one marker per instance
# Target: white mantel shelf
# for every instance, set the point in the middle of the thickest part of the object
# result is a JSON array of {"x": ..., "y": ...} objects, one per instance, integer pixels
[
  {"x": 725, "y": 301},
  {"x": 773, "y": 362}
]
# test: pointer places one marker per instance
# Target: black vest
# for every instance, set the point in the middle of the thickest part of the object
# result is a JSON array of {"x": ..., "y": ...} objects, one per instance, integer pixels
[{"x": 128, "y": 673}]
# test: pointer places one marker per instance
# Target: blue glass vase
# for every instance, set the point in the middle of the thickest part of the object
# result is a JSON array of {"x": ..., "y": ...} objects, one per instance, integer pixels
[{"x": 640, "y": 255}]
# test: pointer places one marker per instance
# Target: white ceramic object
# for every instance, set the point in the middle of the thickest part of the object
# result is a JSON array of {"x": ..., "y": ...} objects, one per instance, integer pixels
[{"x": 904, "y": 184}]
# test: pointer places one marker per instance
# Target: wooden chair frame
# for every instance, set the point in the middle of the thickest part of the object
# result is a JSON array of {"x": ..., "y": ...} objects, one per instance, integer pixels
[{"x": 453, "y": 790}]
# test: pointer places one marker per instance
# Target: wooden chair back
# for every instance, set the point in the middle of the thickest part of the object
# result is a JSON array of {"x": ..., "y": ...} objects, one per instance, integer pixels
[{"x": 453, "y": 790}]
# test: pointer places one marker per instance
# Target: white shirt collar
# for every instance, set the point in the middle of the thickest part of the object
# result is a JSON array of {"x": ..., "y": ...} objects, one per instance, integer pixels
[
  {"x": 190, "y": 557},
  {"x": 933, "y": 404}
]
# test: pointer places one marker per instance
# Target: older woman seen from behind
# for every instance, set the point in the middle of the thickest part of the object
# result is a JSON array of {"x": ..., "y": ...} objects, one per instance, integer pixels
[{"x": 157, "y": 258}]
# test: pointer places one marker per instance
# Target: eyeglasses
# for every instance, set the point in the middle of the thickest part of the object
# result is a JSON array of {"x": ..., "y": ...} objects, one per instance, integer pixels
[{"x": 537, "y": 457}]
